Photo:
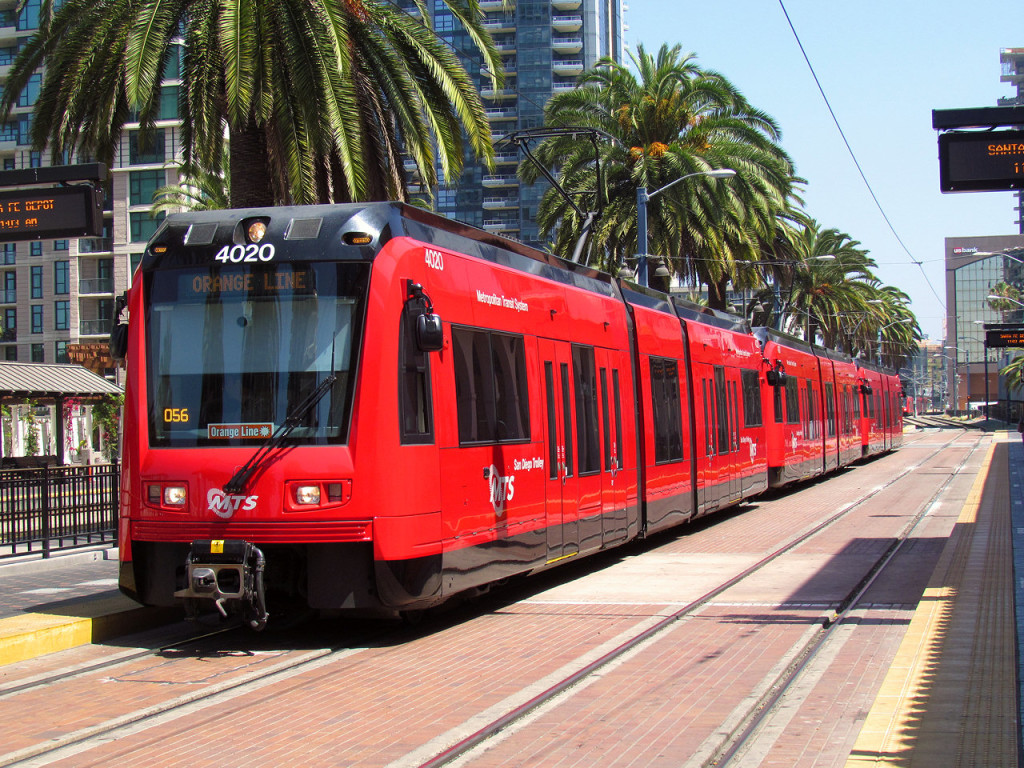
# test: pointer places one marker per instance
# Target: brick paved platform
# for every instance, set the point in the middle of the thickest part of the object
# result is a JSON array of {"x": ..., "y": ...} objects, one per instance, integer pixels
[{"x": 950, "y": 697}]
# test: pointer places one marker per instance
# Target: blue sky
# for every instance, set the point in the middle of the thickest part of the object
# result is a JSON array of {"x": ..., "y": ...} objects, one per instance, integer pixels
[{"x": 884, "y": 67}]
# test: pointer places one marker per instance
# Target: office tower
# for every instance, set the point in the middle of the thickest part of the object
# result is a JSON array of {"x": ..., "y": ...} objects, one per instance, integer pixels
[
  {"x": 1012, "y": 61},
  {"x": 59, "y": 294},
  {"x": 545, "y": 45}
]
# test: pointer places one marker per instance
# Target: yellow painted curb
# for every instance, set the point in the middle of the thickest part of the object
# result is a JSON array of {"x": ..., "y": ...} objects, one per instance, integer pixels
[
  {"x": 884, "y": 733},
  {"x": 91, "y": 620}
]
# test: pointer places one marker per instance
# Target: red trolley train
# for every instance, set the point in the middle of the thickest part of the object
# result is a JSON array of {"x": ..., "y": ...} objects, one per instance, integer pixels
[{"x": 369, "y": 407}]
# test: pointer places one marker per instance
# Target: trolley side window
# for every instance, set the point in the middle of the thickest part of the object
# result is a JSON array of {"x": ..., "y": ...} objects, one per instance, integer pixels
[
  {"x": 585, "y": 376},
  {"x": 830, "y": 409},
  {"x": 618, "y": 418},
  {"x": 751, "y": 398},
  {"x": 414, "y": 406},
  {"x": 491, "y": 394},
  {"x": 792, "y": 400},
  {"x": 721, "y": 411},
  {"x": 667, "y": 410}
]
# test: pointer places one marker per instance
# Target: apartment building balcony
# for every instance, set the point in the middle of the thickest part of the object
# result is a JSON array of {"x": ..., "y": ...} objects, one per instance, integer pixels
[
  {"x": 96, "y": 285},
  {"x": 502, "y": 113},
  {"x": 498, "y": 5},
  {"x": 567, "y": 23},
  {"x": 500, "y": 203},
  {"x": 567, "y": 44},
  {"x": 506, "y": 47},
  {"x": 507, "y": 158},
  {"x": 97, "y": 327},
  {"x": 567, "y": 66},
  {"x": 96, "y": 245},
  {"x": 566, "y": 5},
  {"x": 501, "y": 225},
  {"x": 498, "y": 94},
  {"x": 501, "y": 180},
  {"x": 557, "y": 87},
  {"x": 500, "y": 24}
]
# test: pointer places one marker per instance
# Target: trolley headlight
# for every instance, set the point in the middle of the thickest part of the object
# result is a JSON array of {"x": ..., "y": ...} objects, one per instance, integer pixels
[
  {"x": 307, "y": 495},
  {"x": 175, "y": 495},
  {"x": 310, "y": 495},
  {"x": 167, "y": 495}
]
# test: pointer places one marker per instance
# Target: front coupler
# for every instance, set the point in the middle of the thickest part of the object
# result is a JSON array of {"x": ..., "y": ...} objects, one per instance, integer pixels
[{"x": 230, "y": 573}]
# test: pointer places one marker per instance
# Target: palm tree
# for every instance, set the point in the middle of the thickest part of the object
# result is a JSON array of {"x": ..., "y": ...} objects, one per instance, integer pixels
[
  {"x": 319, "y": 98},
  {"x": 196, "y": 190},
  {"x": 676, "y": 119}
]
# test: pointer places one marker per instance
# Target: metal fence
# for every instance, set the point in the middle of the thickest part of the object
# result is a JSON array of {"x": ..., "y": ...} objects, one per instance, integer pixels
[{"x": 55, "y": 507}]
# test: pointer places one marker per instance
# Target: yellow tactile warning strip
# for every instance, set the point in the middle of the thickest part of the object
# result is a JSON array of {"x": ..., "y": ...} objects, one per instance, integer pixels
[
  {"x": 950, "y": 695},
  {"x": 35, "y": 634}
]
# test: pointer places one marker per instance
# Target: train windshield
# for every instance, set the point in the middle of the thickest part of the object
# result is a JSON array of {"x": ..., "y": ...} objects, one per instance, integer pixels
[{"x": 232, "y": 350}]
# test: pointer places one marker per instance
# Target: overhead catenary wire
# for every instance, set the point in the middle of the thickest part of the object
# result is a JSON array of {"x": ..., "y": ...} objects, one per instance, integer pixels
[{"x": 853, "y": 156}]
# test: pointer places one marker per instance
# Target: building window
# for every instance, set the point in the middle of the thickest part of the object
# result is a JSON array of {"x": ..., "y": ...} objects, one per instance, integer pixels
[
  {"x": 8, "y": 254},
  {"x": 37, "y": 354},
  {"x": 10, "y": 329},
  {"x": 31, "y": 91},
  {"x": 11, "y": 354},
  {"x": 10, "y": 294},
  {"x": 61, "y": 352},
  {"x": 61, "y": 311},
  {"x": 60, "y": 245},
  {"x": 168, "y": 103},
  {"x": 37, "y": 318},
  {"x": 37, "y": 282},
  {"x": 146, "y": 148},
  {"x": 35, "y": 248},
  {"x": 61, "y": 279},
  {"x": 28, "y": 16},
  {"x": 142, "y": 185},
  {"x": 143, "y": 226}
]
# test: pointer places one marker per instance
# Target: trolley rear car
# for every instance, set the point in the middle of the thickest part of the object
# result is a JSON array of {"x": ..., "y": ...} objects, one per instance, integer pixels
[{"x": 368, "y": 407}]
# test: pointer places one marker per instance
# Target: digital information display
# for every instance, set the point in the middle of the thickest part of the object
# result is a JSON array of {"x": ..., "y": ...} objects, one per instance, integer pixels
[
  {"x": 1005, "y": 337},
  {"x": 39, "y": 214},
  {"x": 981, "y": 161}
]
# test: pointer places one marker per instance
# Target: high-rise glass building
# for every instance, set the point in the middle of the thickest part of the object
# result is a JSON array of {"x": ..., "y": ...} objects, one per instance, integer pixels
[
  {"x": 545, "y": 45},
  {"x": 59, "y": 294},
  {"x": 56, "y": 294}
]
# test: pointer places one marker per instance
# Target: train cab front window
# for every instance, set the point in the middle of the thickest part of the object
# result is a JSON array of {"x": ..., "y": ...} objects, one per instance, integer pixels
[{"x": 232, "y": 350}]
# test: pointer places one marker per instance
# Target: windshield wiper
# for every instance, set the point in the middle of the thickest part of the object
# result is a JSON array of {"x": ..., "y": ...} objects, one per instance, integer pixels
[{"x": 241, "y": 478}]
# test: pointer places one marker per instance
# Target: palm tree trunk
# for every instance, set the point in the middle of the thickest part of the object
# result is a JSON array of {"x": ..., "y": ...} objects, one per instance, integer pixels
[{"x": 251, "y": 176}]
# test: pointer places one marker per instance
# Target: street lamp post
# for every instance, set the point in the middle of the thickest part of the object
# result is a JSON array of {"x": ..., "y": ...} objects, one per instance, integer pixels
[
  {"x": 956, "y": 383},
  {"x": 956, "y": 368},
  {"x": 902, "y": 321},
  {"x": 642, "y": 198}
]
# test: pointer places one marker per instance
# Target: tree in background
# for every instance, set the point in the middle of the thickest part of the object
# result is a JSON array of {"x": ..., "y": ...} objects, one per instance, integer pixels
[
  {"x": 671, "y": 119},
  {"x": 317, "y": 99}
]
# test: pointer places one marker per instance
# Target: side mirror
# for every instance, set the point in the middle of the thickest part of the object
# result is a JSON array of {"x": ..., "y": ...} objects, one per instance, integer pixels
[
  {"x": 118, "y": 342},
  {"x": 865, "y": 389},
  {"x": 119, "y": 331},
  {"x": 775, "y": 378},
  {"x": 429, "y": 333}
]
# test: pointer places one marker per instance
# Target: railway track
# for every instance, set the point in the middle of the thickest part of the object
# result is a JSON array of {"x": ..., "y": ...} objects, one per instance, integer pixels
[
  {"x": 732, "y": 746},
  {"x": 260, "y": 673}
]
